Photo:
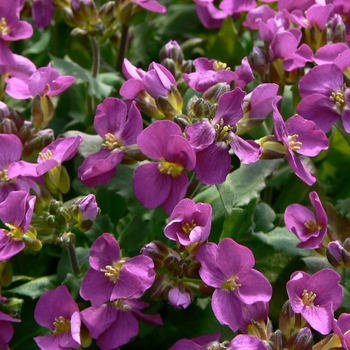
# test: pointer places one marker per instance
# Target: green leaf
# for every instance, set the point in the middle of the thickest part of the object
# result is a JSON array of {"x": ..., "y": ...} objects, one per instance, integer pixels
[
  {"x": 133, "y": 237},
  {"x": 246, "y": 183},
  {"x": 95, "y": 87},
  {"x": 90, "y": 144},
  {"x": 264, "y": 217},
  {"x": 101, "y": 225},
  {"x": 35, "y": 288},
  {"x": 283, "y": 240}
]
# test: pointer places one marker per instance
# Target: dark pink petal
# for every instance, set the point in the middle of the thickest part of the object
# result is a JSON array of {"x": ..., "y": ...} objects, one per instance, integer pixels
[
  {"x": 300, "y": 169},
  {"x": 346, "y": 119},
  {"x": 96, "y": 287},
  {"x": 133, "y": 125},
  {"x": 23, "y": 168},
  {"x": 60, "y": 84},
  {"x": 110, "y": 117},
  {"x": 200, "y": 135},
  {"x": 132, "y": 72},
  {"x": 151, "y": 5},
  {"x": 39, "y": 81},
  {"x": 9, "y": 247},
  {"x": 17, "y": 87},
  {"x": 136, "y": 306},
  {"x": 179, "y": 299},
  {"x": 319, "y": 14},
  {"x": 127, "y": 286},
  {"x": 154, "y": 139},
  {"x": 319, "y": 284},
  {"x": 104, "y": 251},
  {"x": 48, "y": 342},
  {"x": 328, "y": 53},
  {"x": 302, "y": 55},
  {"x": 232, "y": 7},
  {"x": 234, "y": 259},
  {"x": 284, "y": 45},
  {"x": 230, "y": 107},
  {"x": 63, "y": 148},
  {"x": 178, "y": 150},
  {"x": 6, "y": 58},
  {"x": 100, "y": 167},
  {"x": 131, "y": 88},
  {"x": 295, "y": 217},
  {"x": 247, "y": 151},
  {"x": 321, "y": 215},
  {"x": 6, "y": 333},
  {"x": 245, "y": 341},
  {"x": 254, "y": 287},
  {"x": 321, "y": 80},
  {"x": 11, "y": 150},
  {"x": 320, "y": 109},
  {"x": 209, "y": 271},
  {"x": 213, "y": 164},
  {"x": 151, "y": 187},
  {"x": 320, "y": 318},
  {"x": 99, "y": 318},
  {"x": 244, "y": 74},
  {"x": 313, "y": 140},
  {"x": 42, "y": 12},
  {"x": 177, "y": 192},
  {"x": 261, "y": 100},
  {"x": 260, "y": 13},
  {"x": 227, "y": 308},
  {"x": 119, "y": 332},
  {"x": 295, "y": 287}
]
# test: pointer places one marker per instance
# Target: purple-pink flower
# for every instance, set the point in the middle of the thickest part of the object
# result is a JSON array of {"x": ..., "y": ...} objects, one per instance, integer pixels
[
  {"x": 115, "y": 323},
  {"x": 316, "y": 297},
  {"x": 163, "y": 183},
  {"x": 112, "y": 277},
  {"x": 341, "y": 328},
  {"x": 16, "y": 213},
  {"x": 46, "y": 81},
  {"x": 6, "y": 329},
  {"x": 309, "y": 227},
  {"x": 119, "y": 127},
  {"x": 228, "y": 267},
  {"x": 189, "y": 222},
  {"x": 57, "y": 310}
]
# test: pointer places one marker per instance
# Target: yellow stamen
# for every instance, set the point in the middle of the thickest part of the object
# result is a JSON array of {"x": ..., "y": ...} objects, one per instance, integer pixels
[
  {"x": 4, "y": 29},
  {"x": 311, "y": 225},
  {"x": 46, "y": 155},
  {"x": 14, "y": 232},
  {"x": 173, "y": 169},
  {"x": 231, "y": 284},
  {"x": 4, "y": 176},
  {"x": 111, "y": 142},
  {"x": 338, "y": 98},
  {"x": 308, "y": 298},
  {"x": 218, "y": 65},
  {"x": 113, "y": 271},
  {"x": 187, "y": 228},
  {"x": 61, "y": 325},
  {"x": 294, "y": 143}
]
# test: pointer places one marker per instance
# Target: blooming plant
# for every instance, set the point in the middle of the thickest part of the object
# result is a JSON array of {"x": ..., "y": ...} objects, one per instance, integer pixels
[{"x": 174, "y": 174}]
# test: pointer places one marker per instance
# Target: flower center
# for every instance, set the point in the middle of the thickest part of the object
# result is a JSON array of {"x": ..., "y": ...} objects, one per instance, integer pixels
[
  {"x": 4, "y": 176},
  {"x": 14, "y": 232},
  {"x": 222, "y": 131},
  {"x": 308, "y": 298},
  {"x": 61, "y": 325},
  {"x": 4, "y": 29},
  {"x": 111, "y": 142},
  {"x": 338, "y": 99},
  {"x": 218, "y": 65},
  {"x": 169, "y": 168},
  {"x": 311, "y": 225},
  {"x": 231, "y": 284},
  {"x": 113, "y": 271},
  {"x": 187, "y": 228},
  {"x": 294, "y": 143},
  {"x": 46, "y": 155}
]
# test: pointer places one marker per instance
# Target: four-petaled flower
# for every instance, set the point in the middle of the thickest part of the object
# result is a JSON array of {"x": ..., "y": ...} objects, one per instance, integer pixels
[
  {"x": 112, "y": 277},
  {"x": 316, "y": 297},
  {"x": 228, "y": 267},
  {"x": 308, "y": 227},
  {"x": 57, "y": 310}
]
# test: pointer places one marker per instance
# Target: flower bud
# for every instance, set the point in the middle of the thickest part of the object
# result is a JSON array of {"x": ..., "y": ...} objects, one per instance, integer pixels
[
  {"x": 272, "y": 148},
  {"x": 12, "y": 307},
  {"x": 38, "y": 141},
  {"x": 8, "y": 126},
  {"x": 290, "y": 321},
  {"x": 258, "y": 62},
  {"x": 300, "y": 340},
  {"x": 199, "y": 108},
  {"x": 42, "y": 111},
  {"x": 215, "y": 91},
  {"x": 105, "y": 13},
  {"x": 57, "y": 180},
  {"x": 157, "y": 251},
  {"x": 338, "y": 29},
  {"x": 188, "y": 67},
  {"x": 278, "y": 339},
  {"x": 173, "y": 51}
]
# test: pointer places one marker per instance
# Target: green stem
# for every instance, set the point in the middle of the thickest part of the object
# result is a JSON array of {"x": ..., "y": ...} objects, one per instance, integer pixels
[
  {"x": 124, "y": 43},
  {"x": 96, "y": 58},
  {"x": 74, "y": 260},
  {"x": 192, "y": 188}
]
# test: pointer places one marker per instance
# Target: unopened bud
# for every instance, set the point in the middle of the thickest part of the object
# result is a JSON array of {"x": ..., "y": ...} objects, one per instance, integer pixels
[
  {"x": 278, "y": 339},
  {"x": 12, "y": 307},
  {"x": 199, "y": 108},
  {"x": 188, "y": 67},
  {"x": 8, "y": 126},
  {"x": 214, "y": 92},
  {"x": 302, "y": 339},
  {"x": 42, "y": 111},
  {"x": 57, "y": 180},
  {"x": 272, "y": 148}
]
